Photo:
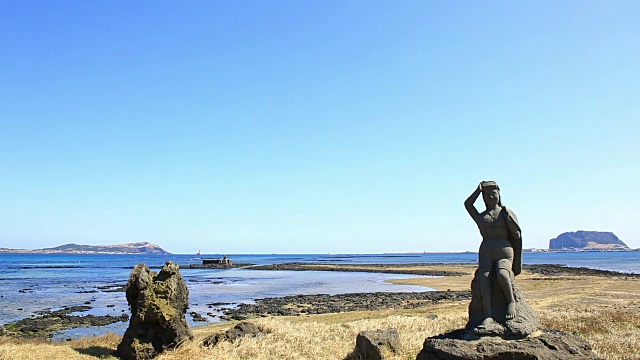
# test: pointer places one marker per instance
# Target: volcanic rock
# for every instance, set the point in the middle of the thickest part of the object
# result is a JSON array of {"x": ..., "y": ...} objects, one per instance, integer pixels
[
  {"x": 547, "y": 345},
  {"x": 244, "y": 329},
  {"x": 370, "y": 344},
  {"x": 158, "y": 303}
]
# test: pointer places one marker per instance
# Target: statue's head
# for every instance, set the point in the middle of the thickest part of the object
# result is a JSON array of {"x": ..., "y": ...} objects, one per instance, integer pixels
[{"x": 491, "y": 194}]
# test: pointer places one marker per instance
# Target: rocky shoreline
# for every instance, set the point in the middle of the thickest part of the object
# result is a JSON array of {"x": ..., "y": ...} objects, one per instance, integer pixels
[
  {"x": 47, "y": 322},
  {"x": 563, "y": 270},
  {"x": 323, "y": 304},
  {"x": 436, "y": 269}
]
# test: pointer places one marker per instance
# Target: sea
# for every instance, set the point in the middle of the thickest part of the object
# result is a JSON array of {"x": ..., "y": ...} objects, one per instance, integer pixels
[{"x": 34, "y": 282}]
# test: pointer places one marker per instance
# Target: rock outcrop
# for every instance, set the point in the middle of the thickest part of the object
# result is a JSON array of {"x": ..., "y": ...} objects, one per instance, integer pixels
[
  {"x": 158, "y": 303},
  {"x": 244, "y": 329},
  {"x": 373, "y": 344},
  {"x": 587, "y": 240},
  {"x": 542, "y": 345}
]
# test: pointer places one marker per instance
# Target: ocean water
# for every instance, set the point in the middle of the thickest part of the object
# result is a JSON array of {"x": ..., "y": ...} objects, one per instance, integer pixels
[{"x": 33, "y": 282}]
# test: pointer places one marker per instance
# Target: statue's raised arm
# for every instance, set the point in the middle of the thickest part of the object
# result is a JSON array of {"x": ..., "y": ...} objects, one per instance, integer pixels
[{"x": 468, "y": 204}]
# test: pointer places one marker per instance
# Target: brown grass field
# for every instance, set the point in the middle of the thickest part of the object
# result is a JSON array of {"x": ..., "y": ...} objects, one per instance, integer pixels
[{"x": 604, "y": 310}]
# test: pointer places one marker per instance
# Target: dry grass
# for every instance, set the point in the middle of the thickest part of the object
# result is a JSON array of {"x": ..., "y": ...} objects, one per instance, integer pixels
[
  {"x": 613, "y": 331},
  {"x": 330, "y": 336},
  {"x": 101, "y": 347},
  {"x": 605, "y": 311}
]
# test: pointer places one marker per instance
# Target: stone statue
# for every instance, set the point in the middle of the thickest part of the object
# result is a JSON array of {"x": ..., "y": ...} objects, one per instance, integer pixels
[
  {"x": 500, "y": 253},
  {"x": 501, "y": 324}
]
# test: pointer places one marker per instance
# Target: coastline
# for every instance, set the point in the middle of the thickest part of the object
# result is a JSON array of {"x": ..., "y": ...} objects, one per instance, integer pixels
[
  {"x": 443, "y": 282},
  {"x": 600, "y": 305},
  {"x": 411, "y": 269},
  {"x": 442, "y": 269},
  {"x": 450, "y": 282}
]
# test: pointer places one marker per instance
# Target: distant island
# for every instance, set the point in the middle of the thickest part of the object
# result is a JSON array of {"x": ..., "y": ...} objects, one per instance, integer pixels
[
  {"x": 130, "y": 248},
  {"x": 588, "y": 241}
]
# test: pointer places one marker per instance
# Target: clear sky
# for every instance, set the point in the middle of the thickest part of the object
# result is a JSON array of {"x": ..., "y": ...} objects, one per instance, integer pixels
[{"x": 315, "y": 126}]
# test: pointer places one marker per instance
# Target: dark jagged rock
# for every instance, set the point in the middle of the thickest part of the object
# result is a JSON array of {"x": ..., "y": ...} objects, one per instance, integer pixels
[
  {"x": 112, "y": 288},
  {"x": 547, "y": 345},
  {"x": 588, "y": 240},
  {"x": 48, "y": 322},
  {"x": 370, "y": 343},
  {"x": 197, "y": 317},
  {"x": 244, "y": 329},
  {"x": 158, "y": 303}
]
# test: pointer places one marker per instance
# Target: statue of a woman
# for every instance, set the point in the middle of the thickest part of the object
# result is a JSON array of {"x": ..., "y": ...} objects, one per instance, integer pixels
[{"x": 501, "y": 248}]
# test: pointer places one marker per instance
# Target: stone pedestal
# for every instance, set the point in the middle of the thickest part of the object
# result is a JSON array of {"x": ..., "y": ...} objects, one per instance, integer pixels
[
  {"x": 540, "y": 345},
  {"x": 525, "y": 322}
]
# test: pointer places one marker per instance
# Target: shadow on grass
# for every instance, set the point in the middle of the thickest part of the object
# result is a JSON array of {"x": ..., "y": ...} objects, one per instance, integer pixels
[
  {"x": 97, "y": 351},
  {"x": 354, "y": 356}
]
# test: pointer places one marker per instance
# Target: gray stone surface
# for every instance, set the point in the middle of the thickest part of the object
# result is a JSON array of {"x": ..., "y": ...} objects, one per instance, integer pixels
[
  {"x": 244, "y": 329},
  {"x": 547, "y": 345},
  {"x": 158, "y": 303},
  {"x": 370, "y": 343}
]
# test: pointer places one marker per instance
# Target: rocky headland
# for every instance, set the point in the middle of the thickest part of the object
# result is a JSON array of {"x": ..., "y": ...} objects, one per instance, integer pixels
[{"x": 588, "y": 241}]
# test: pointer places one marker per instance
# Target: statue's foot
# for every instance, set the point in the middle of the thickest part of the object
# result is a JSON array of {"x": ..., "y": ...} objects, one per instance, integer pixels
[
  {"x": 487, "y": 327},
  {"x": 511, "y": 311},
  {"x": 486, "y": 323}
]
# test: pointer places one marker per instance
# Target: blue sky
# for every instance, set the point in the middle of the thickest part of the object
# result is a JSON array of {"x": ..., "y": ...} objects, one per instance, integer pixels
[{"x": 315, "y": 127}]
